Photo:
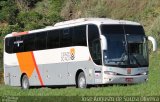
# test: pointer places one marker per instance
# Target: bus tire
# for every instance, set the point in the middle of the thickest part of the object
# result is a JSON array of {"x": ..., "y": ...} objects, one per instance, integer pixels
[
  {"x": 81, "y": 80},
  {"x": 25, "y": 82}
]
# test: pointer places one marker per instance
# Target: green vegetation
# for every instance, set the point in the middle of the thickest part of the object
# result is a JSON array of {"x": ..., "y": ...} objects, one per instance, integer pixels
[{"x": 22, "y": 15}]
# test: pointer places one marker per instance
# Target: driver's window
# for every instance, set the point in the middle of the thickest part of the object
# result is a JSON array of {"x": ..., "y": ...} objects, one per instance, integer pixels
[{"x": 96, "y": 51}]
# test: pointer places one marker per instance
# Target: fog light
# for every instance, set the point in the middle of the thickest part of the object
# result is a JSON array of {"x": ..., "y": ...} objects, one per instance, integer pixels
[
  {"x": 146, "y": 79},
  {"x": 144, "y": 73}
]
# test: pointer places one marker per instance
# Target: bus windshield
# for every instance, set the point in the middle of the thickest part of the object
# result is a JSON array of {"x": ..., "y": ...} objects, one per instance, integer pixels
[{"x": 126, "y": 46}]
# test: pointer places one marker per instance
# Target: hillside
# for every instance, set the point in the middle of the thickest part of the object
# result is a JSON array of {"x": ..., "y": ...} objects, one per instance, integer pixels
[
  {"x": 147, "y": 12},
  {"x": 18, "y": 15}
]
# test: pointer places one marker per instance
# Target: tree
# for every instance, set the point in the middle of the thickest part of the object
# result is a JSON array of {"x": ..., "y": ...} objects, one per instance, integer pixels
[{"x": 8, "y": 11}]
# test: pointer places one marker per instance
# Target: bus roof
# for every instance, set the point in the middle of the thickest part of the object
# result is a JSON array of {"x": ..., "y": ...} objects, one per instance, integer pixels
[
  {"x": 80, "y": 21},
  {"x": 96, "y": 20}
]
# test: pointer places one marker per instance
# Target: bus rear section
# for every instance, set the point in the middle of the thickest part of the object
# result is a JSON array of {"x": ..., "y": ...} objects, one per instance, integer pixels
[{"x": 52, "y": 57}]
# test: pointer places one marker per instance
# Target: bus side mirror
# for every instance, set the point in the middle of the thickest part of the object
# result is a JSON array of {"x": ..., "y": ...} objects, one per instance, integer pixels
[
  {"x": 154, "y": 43},
  {"x": 104, "y": 42}
]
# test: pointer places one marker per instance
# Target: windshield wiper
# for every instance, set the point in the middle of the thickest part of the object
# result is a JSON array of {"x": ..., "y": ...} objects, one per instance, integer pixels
[{"x": 123, "y": 58}]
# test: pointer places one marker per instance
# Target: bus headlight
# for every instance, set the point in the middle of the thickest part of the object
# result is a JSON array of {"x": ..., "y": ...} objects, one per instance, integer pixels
[{"x": 110, "y": 73}]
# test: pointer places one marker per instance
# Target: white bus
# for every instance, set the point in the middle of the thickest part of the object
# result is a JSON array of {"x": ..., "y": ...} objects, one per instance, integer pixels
[{"x": 81, "y": 52}]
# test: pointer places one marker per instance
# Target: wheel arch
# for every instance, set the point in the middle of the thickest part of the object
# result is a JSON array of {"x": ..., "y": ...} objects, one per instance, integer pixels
[
  {"x": 22, "y": 77},
  {"x": 76, "y": 76}
]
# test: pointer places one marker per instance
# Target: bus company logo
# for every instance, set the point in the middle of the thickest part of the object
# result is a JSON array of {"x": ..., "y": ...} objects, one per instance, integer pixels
[
  {"x": 128, "y": 70},
  {"x": 72, "y": 53},
  {"x": 68, "y": 56},
  {"x": 18, "y": 43}
]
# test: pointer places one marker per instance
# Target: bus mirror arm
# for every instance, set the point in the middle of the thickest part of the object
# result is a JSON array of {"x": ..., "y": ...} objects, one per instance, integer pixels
[
  {"x": 154, "y": 43},
  {"x": 103, "y": 42}
]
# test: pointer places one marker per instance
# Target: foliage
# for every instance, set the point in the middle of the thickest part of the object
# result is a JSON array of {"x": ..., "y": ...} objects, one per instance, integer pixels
[
  {"x": 8, "y": 11},
  {"x": 29, "y": 20},
  {"x": 50, "y": 9},
  {"x": 30, "y": 14}
]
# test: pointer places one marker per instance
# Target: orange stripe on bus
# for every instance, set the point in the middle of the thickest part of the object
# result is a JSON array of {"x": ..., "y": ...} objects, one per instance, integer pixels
[
  {"x": 26, "y": 63},
  {"x": 39, "y": 76}
]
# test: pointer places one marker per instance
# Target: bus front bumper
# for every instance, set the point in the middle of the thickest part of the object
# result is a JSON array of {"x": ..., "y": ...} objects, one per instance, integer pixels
[{"x": 116, "y": 79}]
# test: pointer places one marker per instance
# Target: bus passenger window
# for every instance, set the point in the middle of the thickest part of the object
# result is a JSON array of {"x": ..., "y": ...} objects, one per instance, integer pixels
[
  {"x": 40, "y": 41},
  {"x": 66, "y": 37},
  {"x": 53, "y": 39},
  {"x": 79, "y": 36},
  {"x": 29, "y": 42}
]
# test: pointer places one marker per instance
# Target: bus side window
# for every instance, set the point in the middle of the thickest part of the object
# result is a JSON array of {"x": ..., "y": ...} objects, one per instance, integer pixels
[
  {"x": 9, "y": 45},
  {"x": 66, "y": 37},
  {"x": 29, "y": 42},
  {"x": 18, "y": 44},
  {"x": 53, "y": 39},
  {"x": 79, "y": 36},
  {"x": 94, "y": 44},
  {"x": 40, "y": 41}
]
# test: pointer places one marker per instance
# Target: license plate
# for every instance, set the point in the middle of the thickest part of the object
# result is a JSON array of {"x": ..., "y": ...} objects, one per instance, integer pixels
[{"x": 129, "y": 80}]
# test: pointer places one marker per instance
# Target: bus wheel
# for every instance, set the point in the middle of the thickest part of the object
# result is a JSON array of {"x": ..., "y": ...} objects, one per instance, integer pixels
[
  {"x": 25, "y": 82},
  {"x": 82, "y": 80}
]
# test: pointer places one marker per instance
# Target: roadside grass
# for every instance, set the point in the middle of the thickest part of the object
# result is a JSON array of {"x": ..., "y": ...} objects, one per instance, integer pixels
[
  {"x": 150, "y": 88},
  {"x": 144, "y": 89}
]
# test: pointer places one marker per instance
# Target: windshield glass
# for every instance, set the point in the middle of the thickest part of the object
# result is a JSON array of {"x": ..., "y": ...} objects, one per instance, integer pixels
[
  {"x": 138, "y": 54},
  {"x": 126, "y": 46}
]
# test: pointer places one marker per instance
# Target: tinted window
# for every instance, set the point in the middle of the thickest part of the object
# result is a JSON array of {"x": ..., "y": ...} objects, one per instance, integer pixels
[
  {"x": 29, "y": 42},
  {"x": 53, "y": 39},
  {"x": 94, "y": 44},
  {"x": 18, "y": 44},
  {"x": 40, "y": 41},
  {"x": 79, "y": 36},
  {"x": 132, "y": 29},
  {"x": 9, "y": 45},
  {"x": 93, "y": 34},
  {"x": 66, "y": 37},
  {"x": 112, "y": 29},
  {"x": 74, "y": 36},
  {"x": 122, "y": 29}
]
